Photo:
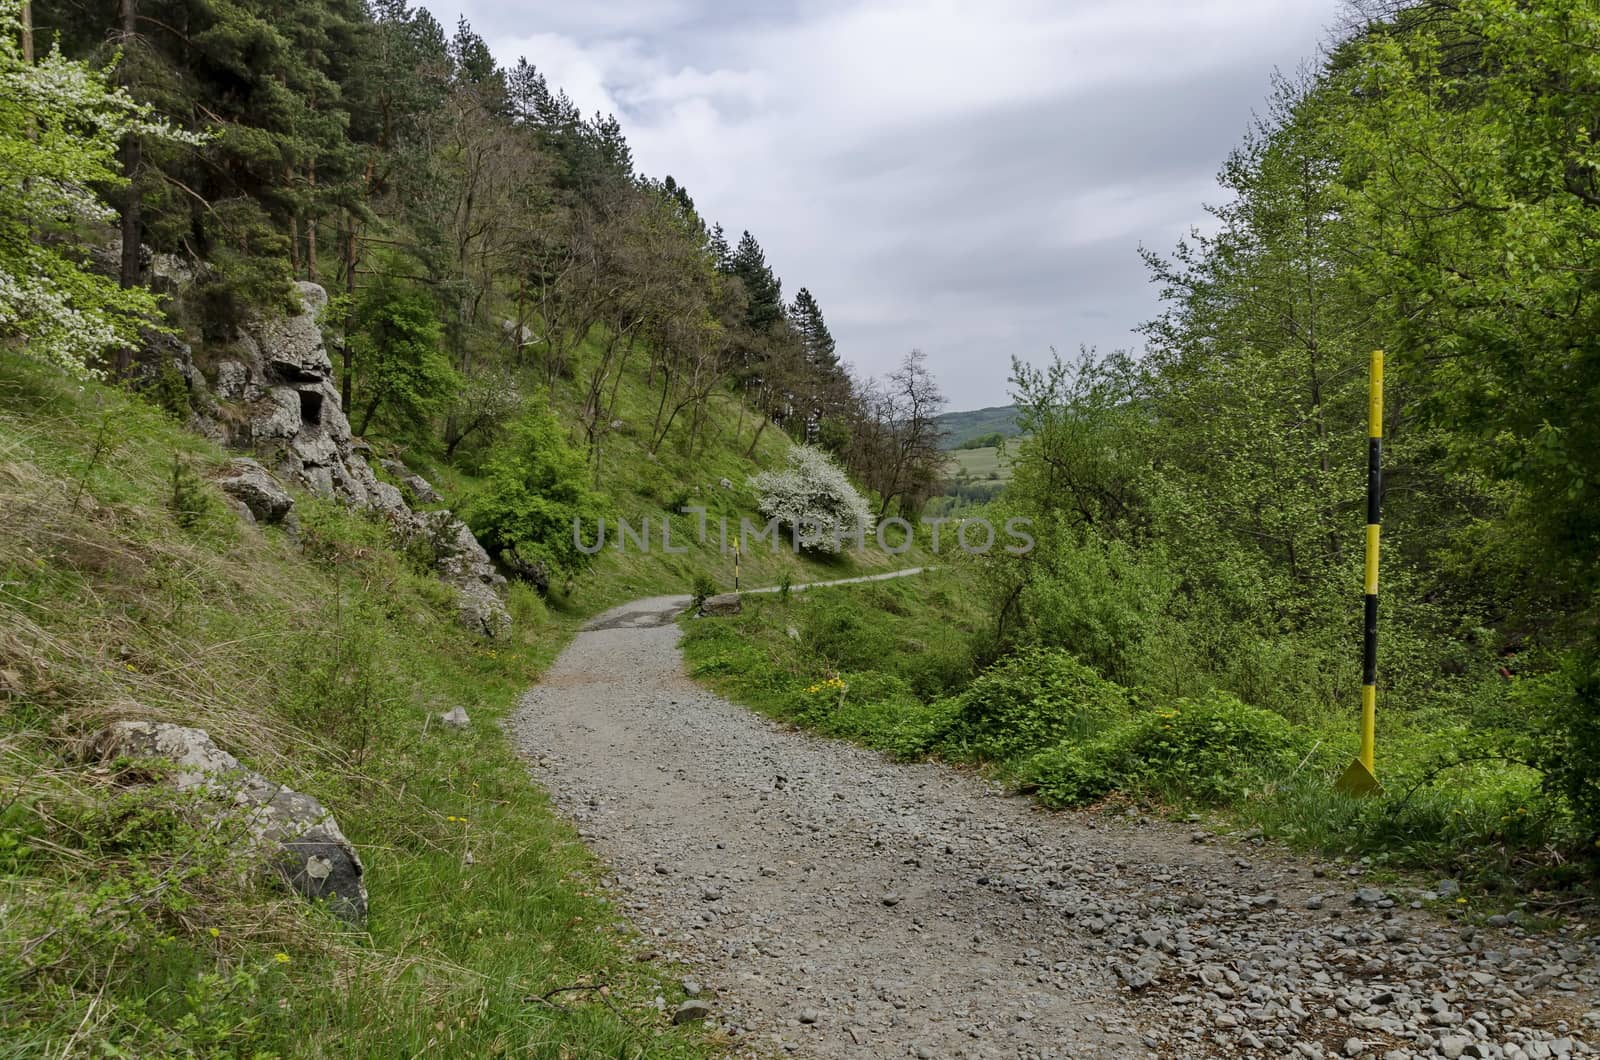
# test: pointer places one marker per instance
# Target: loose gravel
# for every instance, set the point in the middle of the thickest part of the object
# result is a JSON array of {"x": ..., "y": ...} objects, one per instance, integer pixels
[{"x": 831, "y": 903}]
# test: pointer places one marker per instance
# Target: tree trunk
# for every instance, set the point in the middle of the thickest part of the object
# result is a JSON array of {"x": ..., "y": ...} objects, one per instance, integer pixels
[
  {"x": 27, "y": 31},
  {"x": 128, "y": 274},
  {"x": 754, "y": 441},
  {"x": 311, "y": 226},
  {"x": 367, "y": 414},
  {"x": 346, "y": 354}
]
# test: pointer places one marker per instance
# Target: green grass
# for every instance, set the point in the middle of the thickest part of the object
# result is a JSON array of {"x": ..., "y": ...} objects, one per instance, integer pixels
[
  {"x": 129, "y": 930},
  {"x": 893, "y": 668},
  {"x": 982, "y": 465}
]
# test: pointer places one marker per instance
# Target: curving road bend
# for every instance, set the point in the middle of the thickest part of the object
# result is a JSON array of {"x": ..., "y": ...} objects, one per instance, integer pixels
[{"x": 832, "y": 903}]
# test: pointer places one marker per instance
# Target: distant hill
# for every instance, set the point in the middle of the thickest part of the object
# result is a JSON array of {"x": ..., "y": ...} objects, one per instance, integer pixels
[{"x": 964, "y": 426}]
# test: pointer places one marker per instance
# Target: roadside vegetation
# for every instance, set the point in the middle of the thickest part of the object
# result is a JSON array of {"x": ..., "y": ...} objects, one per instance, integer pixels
[
  {"x": 322, "y": 659},
  {"x": 1188, "y": 628},
  {"x": 907, "y": 667}
]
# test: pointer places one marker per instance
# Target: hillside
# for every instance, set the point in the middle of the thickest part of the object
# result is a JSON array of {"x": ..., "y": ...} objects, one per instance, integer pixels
[
  {"x": 321, "y": 653},
  {"x": 962, "y": 427}
]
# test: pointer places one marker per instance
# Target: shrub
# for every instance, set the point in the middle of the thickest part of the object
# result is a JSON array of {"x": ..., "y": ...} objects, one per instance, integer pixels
[
  {"x": 840, "y": 633},
  {"x": 703, "y": 589},
  {"x": 1210, "y": 749},
  {"x": 1033, "y": 699},
  {"x": 1099, "y": 599},
  {"x": 537, "y": 490},
  {"x": 815, "y": 499}
]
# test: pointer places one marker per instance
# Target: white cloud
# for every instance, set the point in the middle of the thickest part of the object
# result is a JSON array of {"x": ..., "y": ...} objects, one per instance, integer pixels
[{"x": 972, "y": 179}]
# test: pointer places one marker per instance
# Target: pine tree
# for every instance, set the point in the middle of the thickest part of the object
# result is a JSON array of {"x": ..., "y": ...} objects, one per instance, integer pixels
[
  {"x": 806, "y": 316},
  {"x": 764, "y": 289},
  {"x": 721, "y": 253}
]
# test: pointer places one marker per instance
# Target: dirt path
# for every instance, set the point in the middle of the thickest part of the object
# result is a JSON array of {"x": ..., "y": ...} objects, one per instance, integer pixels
[{"x": 836, "y": 904}]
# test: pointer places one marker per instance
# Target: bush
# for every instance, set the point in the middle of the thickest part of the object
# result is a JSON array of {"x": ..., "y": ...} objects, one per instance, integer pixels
[
  {"x": 1209, "y": 749},
  {"x": 839, "y": 633},
  {"x": 1566, "y": 706},
  {"x": 1032, "y": 700},
  {"x": 701, "y": 591},
  {"x": 815, "y": 499},
  {"x": 1099, "y": 599},
  {"x": 537, "y": 491}
]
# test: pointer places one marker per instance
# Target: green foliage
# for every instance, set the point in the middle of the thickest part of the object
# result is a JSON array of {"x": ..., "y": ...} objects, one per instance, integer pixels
[
  {"x": 702, "y": 590},
  {"x": 536, "y": 497},
  {"x": 1034, "y": 699},
  {"x": 1213, "y": 749},
  {"x": 400, "y": 369},
  {"x": 60, "y": 127},
  {"x": 983, "y": 441},
  {"x": 1104, "y": 601},
  {"x": 196, "y": 506}
]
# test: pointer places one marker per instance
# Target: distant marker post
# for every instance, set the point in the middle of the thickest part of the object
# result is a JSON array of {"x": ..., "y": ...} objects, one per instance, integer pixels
[{"x": 736, "y": 564}]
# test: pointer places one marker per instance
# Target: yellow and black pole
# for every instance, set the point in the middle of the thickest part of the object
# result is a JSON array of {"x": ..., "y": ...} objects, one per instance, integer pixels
[
  {"x": 736, "y": 564},
  {"x": 1361, "y": 776}
]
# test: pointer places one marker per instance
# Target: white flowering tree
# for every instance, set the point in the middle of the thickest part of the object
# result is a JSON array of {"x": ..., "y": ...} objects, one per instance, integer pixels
[
  {"x": 815, "y": 499},
  {"x": 60, "y": 125}
]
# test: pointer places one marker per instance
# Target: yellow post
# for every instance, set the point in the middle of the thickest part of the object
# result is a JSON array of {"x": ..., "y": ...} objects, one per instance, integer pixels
[
  {"x": 736, "y": 564},
  {"x": 1361, "y": 776}
]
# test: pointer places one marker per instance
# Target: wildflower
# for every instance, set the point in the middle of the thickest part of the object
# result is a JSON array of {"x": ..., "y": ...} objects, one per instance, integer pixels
[
  {"x": 281, "y": 958},
  {"x": 213, "y": 932}
]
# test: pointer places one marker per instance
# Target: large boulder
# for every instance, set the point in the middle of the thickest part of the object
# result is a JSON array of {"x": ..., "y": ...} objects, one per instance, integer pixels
[
  {"x": 722, "y": 605},
  {"x": 464, "y": 564},
  {"x": 252, "y": 485},
  {"x": 298, "y": 835}
]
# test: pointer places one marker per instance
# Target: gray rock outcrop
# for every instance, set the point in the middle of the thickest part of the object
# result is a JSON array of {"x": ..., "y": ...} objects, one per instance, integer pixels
[
  {"x": 278, "y": 374},
  {"x": 295, "y": 832},
  {"x": 421, "y": 490},
  {"x": 272, "y": 394},
  {"x": 247, "y": 482}
]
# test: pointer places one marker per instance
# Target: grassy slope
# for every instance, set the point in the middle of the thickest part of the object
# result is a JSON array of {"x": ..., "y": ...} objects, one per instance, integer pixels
[
  {"x": 894, "y": 645},
  {"x": 982, "y": 464},
  {"x": 318, "y": 661},
  {"x": 899, "y": 646},
  {"x": 644, "y": 486}
]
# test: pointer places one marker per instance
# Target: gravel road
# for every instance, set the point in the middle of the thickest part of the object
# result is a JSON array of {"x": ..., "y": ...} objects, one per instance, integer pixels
[{"x": 831, "y": 903}]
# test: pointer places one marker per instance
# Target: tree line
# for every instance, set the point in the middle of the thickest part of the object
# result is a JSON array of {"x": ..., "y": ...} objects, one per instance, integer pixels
[
  {"x": 1431, "y": 189},
  {"x": 483, "y": 238}
]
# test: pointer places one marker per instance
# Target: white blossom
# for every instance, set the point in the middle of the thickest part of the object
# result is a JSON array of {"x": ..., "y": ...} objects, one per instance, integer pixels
[{"x": 814, "y": 497}]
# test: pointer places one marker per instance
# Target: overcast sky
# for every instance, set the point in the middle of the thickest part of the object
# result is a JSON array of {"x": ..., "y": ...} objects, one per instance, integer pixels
[{"x": 973, "y": 179}]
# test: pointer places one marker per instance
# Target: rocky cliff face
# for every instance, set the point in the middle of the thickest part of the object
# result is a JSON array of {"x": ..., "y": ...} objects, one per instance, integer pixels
[{"x": 272, "y": 394}]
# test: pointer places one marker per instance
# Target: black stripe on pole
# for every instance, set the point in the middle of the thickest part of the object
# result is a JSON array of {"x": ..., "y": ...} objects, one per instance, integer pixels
[
  {"x": 1374, "y": 479},
  {"x": 1369, "y": 647}
]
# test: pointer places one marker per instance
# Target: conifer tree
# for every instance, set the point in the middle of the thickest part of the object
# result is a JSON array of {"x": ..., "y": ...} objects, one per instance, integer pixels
[{"x": 764, "y": 289}]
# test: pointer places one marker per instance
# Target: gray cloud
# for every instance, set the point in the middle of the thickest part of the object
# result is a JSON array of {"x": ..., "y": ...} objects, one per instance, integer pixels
[{"x": 970, "y": 179}]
